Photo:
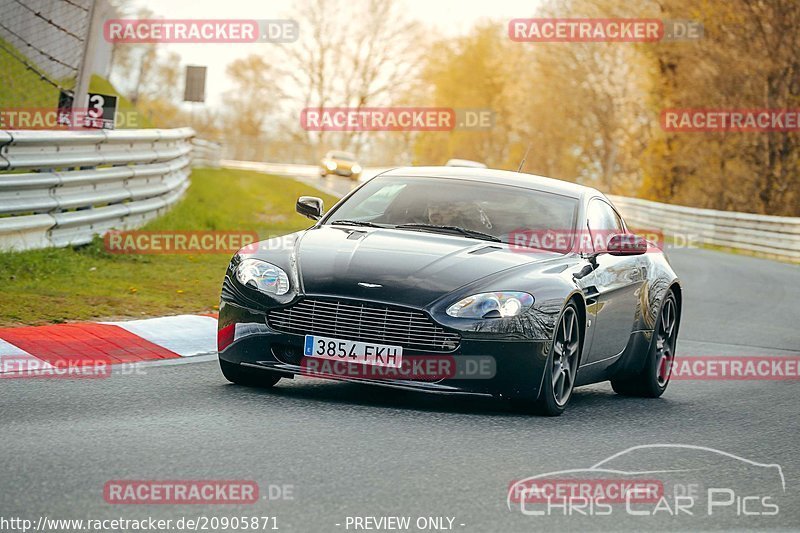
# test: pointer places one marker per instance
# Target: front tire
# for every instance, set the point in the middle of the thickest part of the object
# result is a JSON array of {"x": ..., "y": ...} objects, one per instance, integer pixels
[
  {"x": 652, "y": 380},
  {"x": 248, "y": 377},
  {"x": 561, "y": 367}
]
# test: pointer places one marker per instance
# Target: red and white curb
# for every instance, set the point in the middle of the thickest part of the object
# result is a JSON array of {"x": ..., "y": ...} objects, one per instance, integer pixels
[{"x": 108, "y": 343}]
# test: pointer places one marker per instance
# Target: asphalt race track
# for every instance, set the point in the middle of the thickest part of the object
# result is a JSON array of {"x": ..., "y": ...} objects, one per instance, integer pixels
[{"x": 351, "y": 450}]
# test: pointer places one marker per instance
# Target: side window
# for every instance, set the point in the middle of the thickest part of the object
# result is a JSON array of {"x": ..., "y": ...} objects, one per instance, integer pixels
[{"x": 603, "y": 222}]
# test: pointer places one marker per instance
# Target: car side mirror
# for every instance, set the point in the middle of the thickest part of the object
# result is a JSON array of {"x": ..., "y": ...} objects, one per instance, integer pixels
[
  {"x": 626, "y": 244},
  {"x": 309, "y": 206}
]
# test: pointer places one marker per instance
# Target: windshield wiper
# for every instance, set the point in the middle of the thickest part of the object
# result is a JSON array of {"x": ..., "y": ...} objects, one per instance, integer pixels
[
  {"x": 474, "y": 234},
  {"x": 356, "y": 223}
]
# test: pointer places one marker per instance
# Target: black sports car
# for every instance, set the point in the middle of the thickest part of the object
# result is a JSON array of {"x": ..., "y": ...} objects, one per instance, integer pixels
[{"x": 456, "y": 280}]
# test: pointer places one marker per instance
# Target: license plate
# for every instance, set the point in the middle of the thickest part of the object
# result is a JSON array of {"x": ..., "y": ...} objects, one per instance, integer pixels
[{"x": 365, "y": 353}]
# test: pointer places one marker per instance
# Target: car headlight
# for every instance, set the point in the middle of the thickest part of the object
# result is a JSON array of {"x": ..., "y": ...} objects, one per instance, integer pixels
[
  {"x": 330, "y": 165},
  {"x": 262, "y": 276},
  {"x": 491, "y": 305},
  {"x": 356, "y": 168}
]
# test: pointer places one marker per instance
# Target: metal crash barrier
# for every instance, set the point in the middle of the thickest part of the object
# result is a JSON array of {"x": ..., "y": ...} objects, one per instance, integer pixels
[
  {"x": 773, "y": 236},
  {"x": 61, "y": 188}
]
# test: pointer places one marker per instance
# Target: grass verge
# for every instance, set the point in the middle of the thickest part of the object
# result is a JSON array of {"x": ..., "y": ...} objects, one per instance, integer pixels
[{"x": 88, "y": 283}]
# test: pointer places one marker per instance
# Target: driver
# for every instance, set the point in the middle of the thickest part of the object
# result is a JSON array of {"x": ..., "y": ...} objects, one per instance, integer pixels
[{"x": 464, "y": 214}]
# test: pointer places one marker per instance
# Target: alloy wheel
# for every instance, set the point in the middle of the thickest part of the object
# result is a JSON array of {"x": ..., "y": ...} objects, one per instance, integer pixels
[
  {"x": 665, "y": 342},
  {"x": 565, "y": 356}
]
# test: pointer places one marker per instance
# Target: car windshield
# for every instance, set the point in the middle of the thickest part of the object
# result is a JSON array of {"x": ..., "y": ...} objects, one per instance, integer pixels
[{"x": 498, "y": 211}]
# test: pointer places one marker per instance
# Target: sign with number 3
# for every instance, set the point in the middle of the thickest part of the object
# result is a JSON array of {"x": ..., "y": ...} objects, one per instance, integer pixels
[{"x": 101, "y": 111}]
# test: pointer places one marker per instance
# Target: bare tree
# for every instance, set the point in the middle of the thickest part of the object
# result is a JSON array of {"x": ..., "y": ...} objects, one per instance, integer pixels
[
  {"x": 250, "y": 105},
  {"x": 350, "y": 54}
]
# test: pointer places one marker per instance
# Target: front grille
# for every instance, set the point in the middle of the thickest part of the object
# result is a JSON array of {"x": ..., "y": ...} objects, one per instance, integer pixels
[{"x": 354, "y": 320}]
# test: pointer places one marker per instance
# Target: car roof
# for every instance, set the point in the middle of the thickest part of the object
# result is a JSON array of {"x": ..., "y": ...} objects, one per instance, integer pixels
[
  {"x": 465, "y": 163},
  {"x": 501, "y": 177},
  {"x": 340, "y": 153}
]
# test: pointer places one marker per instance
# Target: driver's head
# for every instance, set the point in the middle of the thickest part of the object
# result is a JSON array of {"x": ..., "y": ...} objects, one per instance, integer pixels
[{"x": 454, "y": 213}]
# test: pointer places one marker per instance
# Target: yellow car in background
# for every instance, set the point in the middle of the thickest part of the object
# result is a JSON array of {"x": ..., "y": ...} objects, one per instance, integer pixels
[{"x": 340, "y": 164}]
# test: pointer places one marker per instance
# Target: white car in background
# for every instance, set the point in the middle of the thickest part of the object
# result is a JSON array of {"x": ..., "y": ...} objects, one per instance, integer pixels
[{"x": 464, "y": 163}]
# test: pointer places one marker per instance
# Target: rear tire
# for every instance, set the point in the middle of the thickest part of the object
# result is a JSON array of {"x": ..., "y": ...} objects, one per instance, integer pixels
[
  {"x": 652, "y": 380},
  {"x": 248, "y": 377}
]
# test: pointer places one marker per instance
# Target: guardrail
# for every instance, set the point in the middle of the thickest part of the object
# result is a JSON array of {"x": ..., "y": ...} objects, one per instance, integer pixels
[
  {"x": 79, "y": 184},
  {"x": 206, "y": 153},
  {"x": 773, "y": 236}
]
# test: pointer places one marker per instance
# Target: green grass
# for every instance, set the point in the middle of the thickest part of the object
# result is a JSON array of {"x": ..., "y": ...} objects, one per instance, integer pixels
[
  {"x": 88, "y": 283},
  {"x": 20, "y": 87}
]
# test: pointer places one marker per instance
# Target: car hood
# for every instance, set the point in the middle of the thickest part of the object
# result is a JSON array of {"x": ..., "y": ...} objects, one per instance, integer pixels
[{"x": 411, "y": 268}]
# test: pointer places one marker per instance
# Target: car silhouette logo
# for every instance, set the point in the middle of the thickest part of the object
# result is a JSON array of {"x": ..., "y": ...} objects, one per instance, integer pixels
[{"x": 369, "y": 285}]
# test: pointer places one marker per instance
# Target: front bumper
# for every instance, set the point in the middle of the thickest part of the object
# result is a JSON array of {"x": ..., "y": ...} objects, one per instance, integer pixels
[{"x": 510, "y": 368}]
